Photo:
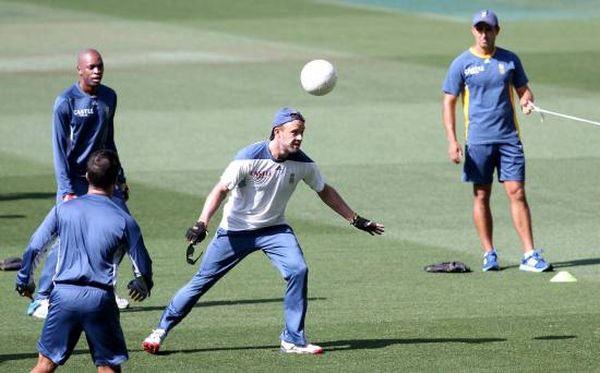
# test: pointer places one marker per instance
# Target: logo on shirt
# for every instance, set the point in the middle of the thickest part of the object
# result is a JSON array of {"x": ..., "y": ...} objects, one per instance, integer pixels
[
  {"x": 259, "y": 177},
  {"x": 84, "y": 113},
  {"x": 474, "y": 70},
  {"x": 501, "y": 69}
]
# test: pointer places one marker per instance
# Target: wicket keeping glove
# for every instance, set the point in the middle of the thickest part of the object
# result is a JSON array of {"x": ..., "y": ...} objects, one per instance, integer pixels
[
  {"x": 25, "y": 290},
  {"x": 196, "y": 233},
  {"x": 125, "y": 190},
  {"x": 138, "y": 290},
  {"x": 367, "y": 225}
]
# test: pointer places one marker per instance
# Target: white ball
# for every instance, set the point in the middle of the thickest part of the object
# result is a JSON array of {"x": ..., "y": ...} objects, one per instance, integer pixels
[{"x": 318, "y": 77}]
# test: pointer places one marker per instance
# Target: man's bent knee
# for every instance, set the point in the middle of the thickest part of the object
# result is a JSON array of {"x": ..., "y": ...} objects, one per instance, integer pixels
[
  {"x": 482, "y": 193},
  {"x": 515, "y": 191},
  {"x": 299, "y": 271}
]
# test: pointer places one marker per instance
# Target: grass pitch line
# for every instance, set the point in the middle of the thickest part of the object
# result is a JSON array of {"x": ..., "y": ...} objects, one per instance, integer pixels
[
  {"x": 66, "y": 62},
  {"x": 172, "y": 44}
]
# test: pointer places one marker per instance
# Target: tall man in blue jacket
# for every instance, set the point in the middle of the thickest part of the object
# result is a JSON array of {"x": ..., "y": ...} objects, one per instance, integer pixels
[
  {"x": 82, "y": 122},
  {"x": 93, "y": 230}
]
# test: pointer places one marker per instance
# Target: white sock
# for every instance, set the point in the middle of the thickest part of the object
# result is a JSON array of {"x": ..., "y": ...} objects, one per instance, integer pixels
[{"x": 527, "y": 254}]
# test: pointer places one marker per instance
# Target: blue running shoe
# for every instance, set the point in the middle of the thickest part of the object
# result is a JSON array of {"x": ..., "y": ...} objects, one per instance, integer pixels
[
  {"x": 535, "y": 263},
  {"x": 490, "y": 261}
]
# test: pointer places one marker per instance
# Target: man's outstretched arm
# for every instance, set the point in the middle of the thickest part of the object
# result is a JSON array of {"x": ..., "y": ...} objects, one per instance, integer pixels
[
  {"x": 333, "y": 199},
  {"x": 197, "y": 232}
]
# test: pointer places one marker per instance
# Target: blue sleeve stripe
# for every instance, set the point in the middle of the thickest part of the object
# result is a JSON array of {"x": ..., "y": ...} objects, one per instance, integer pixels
[
  {"x": 511, "y": 95},
  {"x": 260, "y": 150}
]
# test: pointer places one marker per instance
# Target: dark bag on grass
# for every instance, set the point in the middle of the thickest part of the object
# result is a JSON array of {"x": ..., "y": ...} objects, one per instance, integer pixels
[
  {"x": 10, "y": 264},
  {"x": 448, "y": 267}
]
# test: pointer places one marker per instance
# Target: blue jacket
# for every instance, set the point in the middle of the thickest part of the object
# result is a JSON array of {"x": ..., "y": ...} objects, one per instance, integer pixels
[{"x": 92, "y": 231}]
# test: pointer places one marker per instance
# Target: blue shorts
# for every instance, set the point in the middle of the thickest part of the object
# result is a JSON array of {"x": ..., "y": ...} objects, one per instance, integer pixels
[
  {"x": 482, "y": 160},
  {"x": 74, "y": 309}
]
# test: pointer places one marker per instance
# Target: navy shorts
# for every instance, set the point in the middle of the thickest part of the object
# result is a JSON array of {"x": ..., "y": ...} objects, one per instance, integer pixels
[
  {"x": 482, "y": 160},
  {"x": 74, "y": 309}
]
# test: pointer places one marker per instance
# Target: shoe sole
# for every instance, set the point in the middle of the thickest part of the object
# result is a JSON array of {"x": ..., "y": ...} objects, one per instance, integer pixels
[
  {"x": 320, "y": 352},
  {"x": 495, "y": 268},
  {"x": 527, "y": 268},
  {"x": 298, "y": 352},
  {"x": 150, "y": 348}
]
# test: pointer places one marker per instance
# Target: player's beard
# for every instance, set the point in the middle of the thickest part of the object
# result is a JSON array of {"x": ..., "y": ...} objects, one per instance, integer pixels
[{"x": 294, "y": 146}]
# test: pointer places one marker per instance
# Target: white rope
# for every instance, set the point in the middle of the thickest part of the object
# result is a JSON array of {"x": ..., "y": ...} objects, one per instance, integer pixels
[{"x": 543, "y": 111}]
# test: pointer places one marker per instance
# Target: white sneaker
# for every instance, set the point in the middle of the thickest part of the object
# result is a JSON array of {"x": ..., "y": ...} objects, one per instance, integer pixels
[
  {"x": 152, "y": 342},
  {"x": 40, "y": 309},
  {"x": 122, "y": 303},
  {"x": 535, "y": 263},
  {"x": 290, "y": 348}
]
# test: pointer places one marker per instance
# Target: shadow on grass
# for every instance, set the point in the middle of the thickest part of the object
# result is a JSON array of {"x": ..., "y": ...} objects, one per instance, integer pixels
[
  {"x": 369, "y": 344},
  {"x": 350, "y": 344},
  {"x": 566, "y": 263},
  {"x": 13, "y": 216},
  {"x": 341, "y": 345},
  {"x": 554, "y": 337},
  {"x": 18, "y": 196},
  {"x": 33, "y": 356},
  {"x": 577, "y": 262},
  {"x": 217, "y": 303}
]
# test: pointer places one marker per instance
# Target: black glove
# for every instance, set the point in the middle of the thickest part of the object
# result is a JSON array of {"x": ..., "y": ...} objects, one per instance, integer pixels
[
  {"x": 25, "y": 290},
  {"x": 196, "y": 233},
  {"x": 125, "y": 190},
  {"x": 368, "y": 226},
  {"x": 138, "y": 290}
]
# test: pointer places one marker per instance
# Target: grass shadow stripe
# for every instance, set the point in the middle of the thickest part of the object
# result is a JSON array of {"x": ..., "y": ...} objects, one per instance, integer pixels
[
  {"x": 353, "y": 344},
  {"x": 29, "y": 195},
  {"x": 554, "y": 337},
  {"x": 12, "y": 216},
  {"x": 218, "y": 303},
  {"x": 576, "y": 263},
  {"x": 33, "y": 355},
  {"x": 368, "y": 344}
]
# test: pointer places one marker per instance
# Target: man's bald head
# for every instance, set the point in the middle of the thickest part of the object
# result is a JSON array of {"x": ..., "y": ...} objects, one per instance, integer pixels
[
  {"x": 86, "y": 54},
  {"x": 90, "y": 68}
]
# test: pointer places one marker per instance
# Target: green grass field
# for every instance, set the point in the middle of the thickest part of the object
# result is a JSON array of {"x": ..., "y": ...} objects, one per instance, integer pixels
[{"x": 197, "y": 80}]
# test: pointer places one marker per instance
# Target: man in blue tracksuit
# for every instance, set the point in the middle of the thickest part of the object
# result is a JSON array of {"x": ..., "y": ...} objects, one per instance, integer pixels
[
  {"x": 261, "y": 179},
  {"x": 93, "y": 230},
  {"x": 82, "y": 122}
]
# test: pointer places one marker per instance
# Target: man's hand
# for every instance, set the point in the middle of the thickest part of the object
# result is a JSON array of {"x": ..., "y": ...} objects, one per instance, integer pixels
[
  {"x": 455, "y": 152},
  {"x": 25, "y": 290},
  {"x": 526, "y": 106},
  {"x": 368, "y": 226},
  {"x": 69, "y": 196},
  {"x": 138, "y": 290},
  {"x": 196, "y": 233}
]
